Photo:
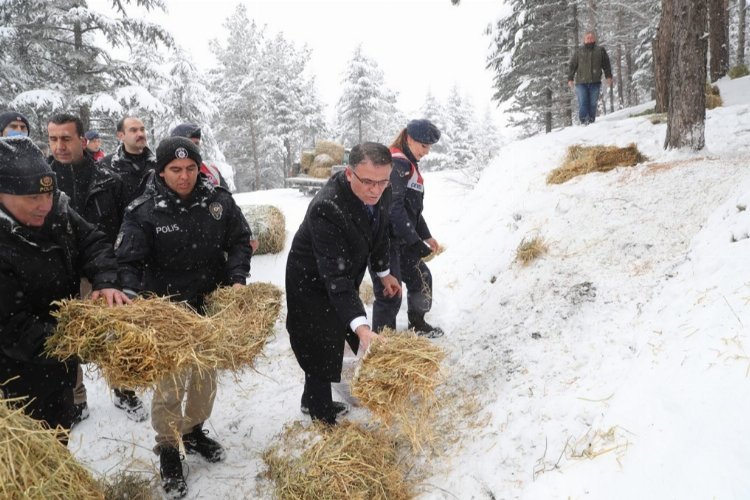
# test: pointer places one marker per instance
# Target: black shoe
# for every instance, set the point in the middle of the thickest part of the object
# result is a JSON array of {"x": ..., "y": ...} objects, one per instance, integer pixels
[
  {"x": 127, "y": 401},
  {"x": 338, "y": 407},
  {"x": 170, "y": 468},
  {"x": 80, "y": 412},
  {"x": 196, "y": 441},
  {"x": 423, "y": 328}
]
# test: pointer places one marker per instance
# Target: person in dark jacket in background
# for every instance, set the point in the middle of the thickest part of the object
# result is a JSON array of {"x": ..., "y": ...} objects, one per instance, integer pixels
[
  {"x": 411, "y": 238},
  {"x": 94, "y": 145},
  {"x": 344, "y": 229},
  {"x": 13, "y": 123},
  {"x": 97, "y": 195},
  {"x": 45, "y": 249},
  {"x": 183, "y": 237},
  {"x": 585, "y": 70},
  {"x": 132, "y": 160}
]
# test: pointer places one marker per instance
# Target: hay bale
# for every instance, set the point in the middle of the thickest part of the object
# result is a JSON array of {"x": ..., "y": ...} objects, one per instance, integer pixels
[
  {"x": 247, "y": 315},
  {"x": 531, "y": 249},
  {"x": 333, "y": 150},
  {"x": 137, "y": 345},
  {"x": 322, "y": 161},
  {"x": 320, "y": 173},
  {"x": 269, "y": 227},
  {"x": 34, "y": 464},
  {"x": 339, "y": 463},
  {"x": 581, "y": 160},
  {"x": 306, "y": 160},
  {"x": 713, "y": 101},
  {"x": 396, "y": 382},
  {"x": 366, "y": 293},
  {"x": 434, "y": 254}
]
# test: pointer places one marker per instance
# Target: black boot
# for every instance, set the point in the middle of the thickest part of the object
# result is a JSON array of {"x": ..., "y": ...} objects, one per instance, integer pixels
[
  {"x": 340, "y": 408},
  {"x": 317, "y": 400},
  {"x": 196, "y": 441},
  {"x": 131, "y": 404},
  {"x": 170, "y": 468},
  {"x": 423, "y": 328}
]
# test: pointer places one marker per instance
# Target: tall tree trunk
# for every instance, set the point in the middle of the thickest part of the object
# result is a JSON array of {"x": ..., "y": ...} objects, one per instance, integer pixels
[
  {"x": 686, "y": 114},
  {"x": 592, "y": 15},
  {"x": 741, "y": 10},
  {"x": 631, "y": 99},
  {"x": 618, "y": 57},
  {"x": 662, "y": 48},
  {"x": 548, "y": 112},
  {"x": 717, "y": 25},
  {"x": 84, "y": 112}
]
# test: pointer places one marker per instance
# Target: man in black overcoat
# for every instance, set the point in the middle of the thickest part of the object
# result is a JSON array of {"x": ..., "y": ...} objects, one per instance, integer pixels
[{"x": 344, "y": 229}]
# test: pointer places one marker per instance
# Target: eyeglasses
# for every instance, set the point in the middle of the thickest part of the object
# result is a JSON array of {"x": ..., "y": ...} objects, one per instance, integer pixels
[{"x": 371, "y": 183}]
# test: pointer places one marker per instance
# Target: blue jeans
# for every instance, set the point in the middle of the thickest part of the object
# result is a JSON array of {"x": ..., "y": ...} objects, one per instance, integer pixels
[{"x": 588, "y": 95}]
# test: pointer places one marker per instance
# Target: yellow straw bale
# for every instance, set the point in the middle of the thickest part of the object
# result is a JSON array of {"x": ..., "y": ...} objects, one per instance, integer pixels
[
  {"x": 269, "y": 227},
  {"x": 306, "y": 159},
  {"x": 319, "y": 172},
  {"x": 581, "y": 160},
  {"x": 334, "y": 150}
]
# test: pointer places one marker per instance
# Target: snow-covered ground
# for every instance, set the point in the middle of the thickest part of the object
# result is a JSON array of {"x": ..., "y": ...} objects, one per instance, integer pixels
[{"x": 613, "y": 367}]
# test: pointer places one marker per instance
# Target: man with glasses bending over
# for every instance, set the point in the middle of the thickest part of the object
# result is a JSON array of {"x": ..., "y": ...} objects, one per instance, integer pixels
[{"x": 344, "y": 229}]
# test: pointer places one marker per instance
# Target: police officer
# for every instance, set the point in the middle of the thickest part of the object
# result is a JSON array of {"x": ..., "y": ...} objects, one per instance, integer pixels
[
  {"x": 45, "y": 249},
  {"x": 183, "y": 237},
  {"x": 132, "y": 159},
  {"x": 411, "y": 238}
]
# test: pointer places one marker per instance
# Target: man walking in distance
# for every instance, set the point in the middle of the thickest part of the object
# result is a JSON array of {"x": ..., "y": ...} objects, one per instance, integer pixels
[
  {"x": 345, "y": 227},
  {"x": 132, "y": 159},
  {"x": 586, "y": 66},
  {"x": 97, "y": 195}
]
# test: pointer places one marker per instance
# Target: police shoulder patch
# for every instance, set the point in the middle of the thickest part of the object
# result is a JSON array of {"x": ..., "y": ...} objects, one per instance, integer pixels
[{"x": 216, "y": 210}]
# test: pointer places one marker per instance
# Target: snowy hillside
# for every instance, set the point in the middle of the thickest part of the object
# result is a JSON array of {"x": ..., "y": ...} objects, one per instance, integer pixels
[{"x": 613, "y": 367}]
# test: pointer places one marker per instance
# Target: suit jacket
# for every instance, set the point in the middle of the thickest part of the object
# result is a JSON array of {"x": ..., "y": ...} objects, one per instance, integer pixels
[{"x": 326, "y": 263}]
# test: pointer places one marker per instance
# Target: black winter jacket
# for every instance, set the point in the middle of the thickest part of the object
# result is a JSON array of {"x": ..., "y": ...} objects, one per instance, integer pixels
[
  {"x": 102, "y": 201},
  {"x": 407, "y": 223},
  {"x": 37, "y": 267},
  {"x": 324, "y": 270},
  {"x": 133, "y": 175},
  {"x": 183, "y": 248}
]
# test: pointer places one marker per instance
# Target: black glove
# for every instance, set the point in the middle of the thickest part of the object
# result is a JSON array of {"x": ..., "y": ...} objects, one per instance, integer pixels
[{"x": 420, "y": 248}]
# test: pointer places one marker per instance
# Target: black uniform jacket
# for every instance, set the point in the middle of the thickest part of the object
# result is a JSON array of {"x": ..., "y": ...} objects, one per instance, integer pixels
[
  {"x": 185, "y": 249},
  {"x": 37, "y": 267},
  {"x": 102, "y": 202},
  {"x": 407, "y": 224},
  {"x": 133, "y": 175},
  {"x": 326, "y": 263}
]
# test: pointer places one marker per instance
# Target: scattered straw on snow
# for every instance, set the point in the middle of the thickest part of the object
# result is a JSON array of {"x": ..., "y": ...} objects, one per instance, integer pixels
[{"x": 581, "y": 160}]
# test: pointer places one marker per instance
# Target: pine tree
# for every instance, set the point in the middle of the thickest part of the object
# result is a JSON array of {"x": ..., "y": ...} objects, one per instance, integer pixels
[
  {"x": 462, "y": 127},
  {"x": 440, "y": 153}
]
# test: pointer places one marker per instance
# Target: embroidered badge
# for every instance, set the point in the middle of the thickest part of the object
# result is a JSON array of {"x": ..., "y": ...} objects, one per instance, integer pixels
[
  {"x": 45, "y": 184},
  {"x": 180, "y": 153},
  {"x": 215, "y": 209}
]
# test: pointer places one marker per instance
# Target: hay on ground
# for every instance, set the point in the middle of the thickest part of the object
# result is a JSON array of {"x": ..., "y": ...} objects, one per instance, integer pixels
[
  {"x": 531, "y": 249},
  {"x": 434, "y": 254},
  {"x": 337, "y": 463},
  {"x": 137, "y": 345},
  {"x": 582, "y": 160},
  {"x": 247, "y": 316},
  {"x": 319, "y": 172},
  {"x": 396, "y": 382},
  {"x": 334, "y": 150},
  {"x": 34, "y": 464},
  {"x": 713, "y": 101},
  {"x": 269, "y": 227},
  {"x": 366, "y": 293},
  {"x": 658, "y": 118},
  {"x": 128, "y": 486}
]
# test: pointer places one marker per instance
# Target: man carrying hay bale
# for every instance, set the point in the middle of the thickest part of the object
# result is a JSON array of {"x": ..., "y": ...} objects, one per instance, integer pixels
[
  {"x": 412, "y": 240},
  {"x": 45, "y": 249},
  {"x": 183, "y": 238},
  {"x": 346, "y": 225}
]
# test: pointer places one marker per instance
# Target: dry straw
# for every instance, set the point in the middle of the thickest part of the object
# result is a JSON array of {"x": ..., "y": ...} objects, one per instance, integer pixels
[
  {"x": 247, "y": 316},
  {"x": 434, "y": 254},
  {"x": 334, "y": 150},
  {"x": 128, "y": 486},
  {"x": 34, "y": 464},
  {"x": 397, "y": 380},
  {"x": 366, "y": 293},
  {"x": 319, "y": 172},
  {"x": 581, "y": 160},
  {"x": 531, "y": 249},
  {"x": 269, "y": 227},
  {"x": 342, "y": 462}
]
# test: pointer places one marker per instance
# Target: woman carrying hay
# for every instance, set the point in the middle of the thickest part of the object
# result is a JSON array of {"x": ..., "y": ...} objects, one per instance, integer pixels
[
  {"x": 411, "y": 239},
  {"x": 45, "y": 250},
  {"x": 184, "y": 237},
  {"x": 345, "y": 227}
]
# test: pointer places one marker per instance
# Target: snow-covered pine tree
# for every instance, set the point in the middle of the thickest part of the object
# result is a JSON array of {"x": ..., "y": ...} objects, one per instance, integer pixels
[
  {"x": 462, "y": 126},
  {"x": 440, "y": 157},
  {"x": 314, "y": 124},
  {"x": 366, "y": 106}
]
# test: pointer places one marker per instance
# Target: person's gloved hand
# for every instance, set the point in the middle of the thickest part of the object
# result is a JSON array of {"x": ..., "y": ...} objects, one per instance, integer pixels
[{"x": 421, "y": 249}]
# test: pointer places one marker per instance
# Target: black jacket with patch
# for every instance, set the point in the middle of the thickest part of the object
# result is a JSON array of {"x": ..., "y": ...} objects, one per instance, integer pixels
[{"x": 133, "y": 173}]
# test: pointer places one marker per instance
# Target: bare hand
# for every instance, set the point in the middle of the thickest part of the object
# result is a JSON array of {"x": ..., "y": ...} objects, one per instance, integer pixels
[
  {"x": 570, "y": 83},
  {"x": 366, "y": 336},
  {"x": 237, "y": 285},
  {"x": 254, "y": 244},
  {"x": 113, "y": 296},
  {"x": 391, "y": 286},
  {"x": 433, "y": 244},
  {"x": 609, "y": 81}
]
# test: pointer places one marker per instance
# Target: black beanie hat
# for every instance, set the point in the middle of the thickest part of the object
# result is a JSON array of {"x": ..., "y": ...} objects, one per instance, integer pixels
[
  {"x": 423, "y": 131},
  {"x": 12, "y": 116},
  {"x": 173, "y": 148},
  {"x": 23, "y": 169},
  {"x": 189, "y": 130}
]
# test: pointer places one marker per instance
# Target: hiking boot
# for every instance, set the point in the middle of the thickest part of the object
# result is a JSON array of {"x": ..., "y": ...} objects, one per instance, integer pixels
[
  {"x": 170, "y": 468},
  {"x": 80, "y": 412},
  {"x": 423, "y": 328},
  {"x": 196, "y": 441},
  {"x": 340, "y": 409},
  {"x": 131, "y": 404}
]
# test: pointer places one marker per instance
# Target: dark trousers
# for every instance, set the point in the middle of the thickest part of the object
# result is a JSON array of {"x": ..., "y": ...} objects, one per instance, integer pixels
[
  {"x": 588, "y": 97},
  {"x": 409, "y": 268},
  {"x": 53, "y": 408},
  {"x": 317, "y": 397}
]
